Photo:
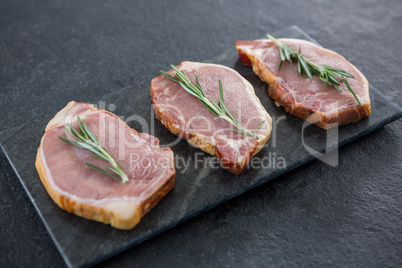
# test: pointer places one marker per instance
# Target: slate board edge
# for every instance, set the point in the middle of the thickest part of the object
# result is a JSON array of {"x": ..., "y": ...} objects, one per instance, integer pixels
[
  {"x": 205, "y": 208},
  {"x": 196, "y": 212},
  {"x": 60, "y": 249},
  {"x": 201, "y": 210},
  {"x": 242, "y": 191}
]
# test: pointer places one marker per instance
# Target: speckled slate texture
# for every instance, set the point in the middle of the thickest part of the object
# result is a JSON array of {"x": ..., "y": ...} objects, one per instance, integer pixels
[
  {"x": 53, "y": 50},
  {"x": 196, "y": 189}
]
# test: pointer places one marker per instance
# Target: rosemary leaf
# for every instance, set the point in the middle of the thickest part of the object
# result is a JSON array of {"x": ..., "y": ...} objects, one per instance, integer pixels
[
  {"x": 98, "y": 157},
  {"x": 71, "y": 129},
  {"x": 209, "y": 107},
  {"x": 282, "y": 55},
  {"x": 199, "y": 86},
  {"x": 69, "y": 142},
  {"x": 327, "y": 74},
  {"x": 88, "y": 132},
  {"x": 215, "y": 104},
  {"x": 219, "y": 110},
  {"x": 280, "y": 65},
  {"x": 221, "y": 91},
  {"x": 188, "y": 90},
  {"x": 256, "y": 128},
  {"x": 242, "y": 132},
  {"x": 81, "y": 128},
  {"x": 102, "y": 171},
  {"x": 86, "y": 140},
  {"x": 170, "y": 77},
  {"x": 333, "y": 80},
  {"x": 351, "y": 90},
  {"x": 230, "y": 114}
]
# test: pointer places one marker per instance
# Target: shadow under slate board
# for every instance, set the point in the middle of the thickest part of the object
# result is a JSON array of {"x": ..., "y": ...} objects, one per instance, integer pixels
[{"x": 198, "y": 187}]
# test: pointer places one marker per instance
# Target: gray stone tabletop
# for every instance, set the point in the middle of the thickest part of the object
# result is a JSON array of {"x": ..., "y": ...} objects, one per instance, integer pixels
[{"x": 52, "y": 52}]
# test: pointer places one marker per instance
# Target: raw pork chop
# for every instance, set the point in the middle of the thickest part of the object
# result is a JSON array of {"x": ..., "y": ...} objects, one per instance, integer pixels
[
  {"x": 300, "y": 96},
  {"x": 186, "y": 117},
  {"x": 91, "y": 194}
]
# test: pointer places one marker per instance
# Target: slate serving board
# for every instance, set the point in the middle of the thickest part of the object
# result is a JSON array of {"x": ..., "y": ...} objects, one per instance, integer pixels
[{"x": 198, "y": 186}]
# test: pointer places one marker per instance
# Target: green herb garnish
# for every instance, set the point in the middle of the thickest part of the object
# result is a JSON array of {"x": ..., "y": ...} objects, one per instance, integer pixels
[
  {"x": 86, "y": 140},
  {"x": 217, "y": 108},
  {"x": 307, "y": 68}
]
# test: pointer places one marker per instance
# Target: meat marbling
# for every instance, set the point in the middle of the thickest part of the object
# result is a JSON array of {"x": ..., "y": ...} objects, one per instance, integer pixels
[
  {"x": 91, "y": 194},
  {"x": 306, "y": 99},
  {"x": 186, "y": 117}
]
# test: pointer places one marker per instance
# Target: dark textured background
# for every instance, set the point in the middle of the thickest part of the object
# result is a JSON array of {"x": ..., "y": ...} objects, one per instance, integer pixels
[{"x": 55, "y": 51}]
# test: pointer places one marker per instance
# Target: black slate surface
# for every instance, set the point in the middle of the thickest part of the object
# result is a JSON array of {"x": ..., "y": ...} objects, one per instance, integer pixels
[
  {"x": 348, "y": 216},
  {"x": 200, "y": 184}
]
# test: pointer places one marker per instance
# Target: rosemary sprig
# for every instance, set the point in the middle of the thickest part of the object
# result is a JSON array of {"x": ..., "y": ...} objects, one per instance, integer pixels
[
  {"x": 217, "y": 108},
  {"x": 307, "y": 68},
  {"x": 86, "y": 140}
]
